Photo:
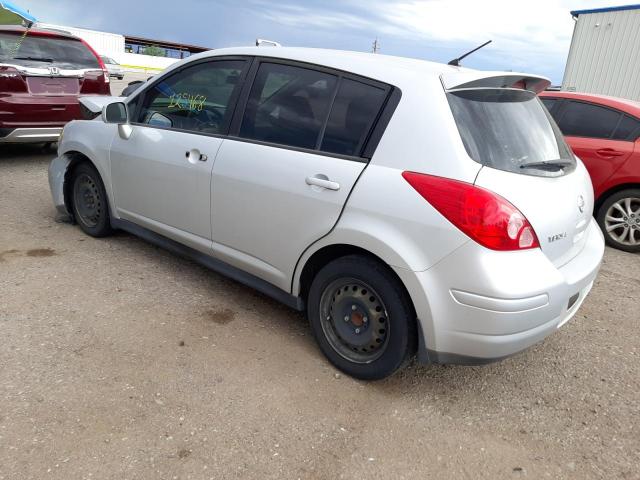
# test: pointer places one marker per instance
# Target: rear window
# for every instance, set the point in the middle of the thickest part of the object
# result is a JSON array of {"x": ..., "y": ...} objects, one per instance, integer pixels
[
  {"x": 42, "y": 51},
  {"x": 509, "y": 130}
]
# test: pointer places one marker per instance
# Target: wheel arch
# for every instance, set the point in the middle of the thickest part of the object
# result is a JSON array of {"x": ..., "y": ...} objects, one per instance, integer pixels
[
  {"x": 611, "y": 191},
  {"x": 75, "y": 158},
  {"x": 327, "y": 253}
]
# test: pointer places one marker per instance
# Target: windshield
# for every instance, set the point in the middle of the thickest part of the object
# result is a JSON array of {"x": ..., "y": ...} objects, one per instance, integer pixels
[
  {"x": 510, "y": 130},
  {"x": 43, "y": 51},
  {"x": 109, "y": 61}
]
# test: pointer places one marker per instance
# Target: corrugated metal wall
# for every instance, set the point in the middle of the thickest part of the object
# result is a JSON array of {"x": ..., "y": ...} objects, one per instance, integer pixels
[{"x": 604, "y": 56}]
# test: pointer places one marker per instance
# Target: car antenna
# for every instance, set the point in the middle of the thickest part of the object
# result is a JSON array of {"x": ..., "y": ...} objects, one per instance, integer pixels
[{"x": 456, "y": 61}]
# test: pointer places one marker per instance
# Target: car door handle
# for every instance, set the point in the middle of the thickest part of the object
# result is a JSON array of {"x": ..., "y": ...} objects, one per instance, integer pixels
[
  {"x": 196, "y": 154},
  {"x": 609, "y": 152},
  {"x": 322, "y": 181}
]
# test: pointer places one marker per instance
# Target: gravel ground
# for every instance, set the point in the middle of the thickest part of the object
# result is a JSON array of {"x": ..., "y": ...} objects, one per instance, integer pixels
[
  {"x": 119, "y": 360},
  {"x": 118, "y": 85}
]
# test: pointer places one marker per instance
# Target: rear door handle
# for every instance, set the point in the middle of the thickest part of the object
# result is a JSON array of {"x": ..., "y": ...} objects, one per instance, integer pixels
[
  {"x": 322, "y": 181},
  {"x": 609, "y": 152}
]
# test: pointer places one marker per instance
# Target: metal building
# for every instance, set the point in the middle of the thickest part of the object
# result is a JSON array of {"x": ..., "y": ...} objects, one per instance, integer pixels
[{"x": 604, "y": 57}]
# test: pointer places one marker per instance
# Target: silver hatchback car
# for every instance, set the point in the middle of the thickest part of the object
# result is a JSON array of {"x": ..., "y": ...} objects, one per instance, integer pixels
[{"x": 407, "y": 207}]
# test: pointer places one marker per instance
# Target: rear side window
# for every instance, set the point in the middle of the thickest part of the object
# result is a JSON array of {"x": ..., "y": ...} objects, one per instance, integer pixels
[
  {"x": 288, "y": 105},
  {"x": 354, "y": 111},
  {"x": 628, "y": 129},
  {"x": 586, "y": 120},
  {"x": 43, "y": 51},
  {"x": 549, "y": 102},
  {"x": 507, "y": 129}
]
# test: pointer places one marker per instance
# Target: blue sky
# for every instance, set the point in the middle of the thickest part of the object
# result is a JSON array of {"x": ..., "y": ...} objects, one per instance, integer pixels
[{"x": 527, "y": 36}]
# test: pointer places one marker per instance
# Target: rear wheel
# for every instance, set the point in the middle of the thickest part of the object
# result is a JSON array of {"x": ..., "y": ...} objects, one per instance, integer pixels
[
  {"x": 90, "y": 205},
  {"x": 619, "y": 219},
  {"x": 361, "y": 317}
]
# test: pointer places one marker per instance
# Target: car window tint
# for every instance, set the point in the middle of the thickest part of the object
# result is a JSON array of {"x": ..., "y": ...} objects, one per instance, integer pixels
[
  {"x": 288, "y": 105},
  {"x": 195, "y": 99},
  {"x": 46, "y": 51},
  {"x": 587, "y": 120},
  {"x": 549, "y": 102},
  {"x": 354, "y": 110},
  {"x": 627, "y": 129}
]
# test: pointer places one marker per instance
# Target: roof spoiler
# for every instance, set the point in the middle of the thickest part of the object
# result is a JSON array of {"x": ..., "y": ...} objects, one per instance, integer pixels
[{"x": 475, "y": 79}]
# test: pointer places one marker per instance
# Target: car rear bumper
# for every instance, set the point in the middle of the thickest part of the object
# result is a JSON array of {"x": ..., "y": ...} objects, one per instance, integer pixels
[
  {"x": 31, "y": 135},
  {"x": 478, "y": 305}
]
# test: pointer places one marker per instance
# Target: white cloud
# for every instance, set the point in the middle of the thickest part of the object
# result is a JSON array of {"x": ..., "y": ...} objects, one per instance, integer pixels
[{"x": 526, "y": 35}]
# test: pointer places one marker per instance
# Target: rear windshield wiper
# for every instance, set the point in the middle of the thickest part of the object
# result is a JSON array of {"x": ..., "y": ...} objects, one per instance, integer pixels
[
  {"x": 35, "y": 59},
  {"x": 549, "y": 164}
]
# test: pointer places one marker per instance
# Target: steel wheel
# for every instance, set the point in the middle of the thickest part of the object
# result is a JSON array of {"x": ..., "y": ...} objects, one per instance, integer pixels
[
  {"x": 87, "y": 200},
  {"x": 354, "y": 320},
  {"x": 622, "y": 221}
]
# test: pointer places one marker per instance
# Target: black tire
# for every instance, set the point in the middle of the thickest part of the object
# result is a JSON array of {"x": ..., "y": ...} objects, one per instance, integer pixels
[
  {"x": 370, "y": 300},
  {"x": 621, "y": 208},
  {"x": 89, "y": 201}
]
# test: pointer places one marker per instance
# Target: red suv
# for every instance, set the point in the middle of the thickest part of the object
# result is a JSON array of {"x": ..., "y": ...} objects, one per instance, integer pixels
[
  {"x": 604, "y": 132},
  {"x": 42, "y": 73}
]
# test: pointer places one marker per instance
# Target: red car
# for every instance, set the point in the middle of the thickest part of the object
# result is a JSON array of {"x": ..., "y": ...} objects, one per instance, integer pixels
[
  {"x": 604, "y": 132},
  {"x": 42, "y": 73}
]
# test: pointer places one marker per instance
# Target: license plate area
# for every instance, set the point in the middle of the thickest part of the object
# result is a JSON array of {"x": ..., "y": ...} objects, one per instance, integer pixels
[{"x": 53, "y": 86}]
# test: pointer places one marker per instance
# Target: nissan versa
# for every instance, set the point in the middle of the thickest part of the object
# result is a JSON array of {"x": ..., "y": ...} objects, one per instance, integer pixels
[{"x": 408, "y": 207}]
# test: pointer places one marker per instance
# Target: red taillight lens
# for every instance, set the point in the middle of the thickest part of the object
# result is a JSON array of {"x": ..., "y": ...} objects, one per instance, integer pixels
[
  {"x": 103, "y": 67},
  {"x": 484, "y": 216},
  {"x": 11, "y": 80}
]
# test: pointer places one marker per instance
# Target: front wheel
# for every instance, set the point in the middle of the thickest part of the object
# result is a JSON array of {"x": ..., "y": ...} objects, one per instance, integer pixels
[
  {"x": 362, "y": 317},
  {"x": 619, "y": 219},
  {"x": 90, "y": 204}
]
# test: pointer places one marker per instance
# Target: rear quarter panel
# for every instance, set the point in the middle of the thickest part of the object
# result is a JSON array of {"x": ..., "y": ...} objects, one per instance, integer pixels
[{"x": 384, "y": 214}]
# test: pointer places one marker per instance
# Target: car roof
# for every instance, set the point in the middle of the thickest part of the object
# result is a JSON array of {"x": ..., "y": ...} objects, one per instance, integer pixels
[
  {"x": 37, "y": 31},
  {"x": 627, "y": 106},
  {"x": 386, "y": 68}
]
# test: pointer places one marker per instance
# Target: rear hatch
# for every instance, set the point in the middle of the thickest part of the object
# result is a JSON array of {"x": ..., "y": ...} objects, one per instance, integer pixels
[
  {"x": 525, "y": 159},
  {"x": 42, "y": 74}
]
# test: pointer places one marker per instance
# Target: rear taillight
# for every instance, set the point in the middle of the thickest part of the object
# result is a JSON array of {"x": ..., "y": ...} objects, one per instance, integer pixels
[
  {"x": 484, "y": 216},
  {"x": 103, "y": 67},
  {"x": 11, "y": 80}
]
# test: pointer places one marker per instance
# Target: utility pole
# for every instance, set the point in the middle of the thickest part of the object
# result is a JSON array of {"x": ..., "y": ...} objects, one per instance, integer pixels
[{"x": 376, "y": 46}]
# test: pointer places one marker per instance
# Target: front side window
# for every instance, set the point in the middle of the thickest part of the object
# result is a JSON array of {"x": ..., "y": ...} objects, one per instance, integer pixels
[
  {"x": 197, "y": 99},
  {"x": 288, "y": 105},
  {"x": 586, "y": 120},
  {"x": 38, "y": 51},
  {"x": 354, "y": 111},
  {"x": 509, "y": 130}
]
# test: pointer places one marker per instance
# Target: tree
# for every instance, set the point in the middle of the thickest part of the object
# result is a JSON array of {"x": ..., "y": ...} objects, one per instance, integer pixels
[{"x": 155, "y": 51}]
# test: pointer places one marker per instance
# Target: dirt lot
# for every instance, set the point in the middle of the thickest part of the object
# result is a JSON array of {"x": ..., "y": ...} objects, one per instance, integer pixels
[
  {"x": 118, "y": 85},
  {"x": 121, "y": 361}
]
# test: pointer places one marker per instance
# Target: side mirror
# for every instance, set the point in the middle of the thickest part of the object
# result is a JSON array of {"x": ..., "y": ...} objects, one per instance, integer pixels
[{"x": 115, "y": 113}]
